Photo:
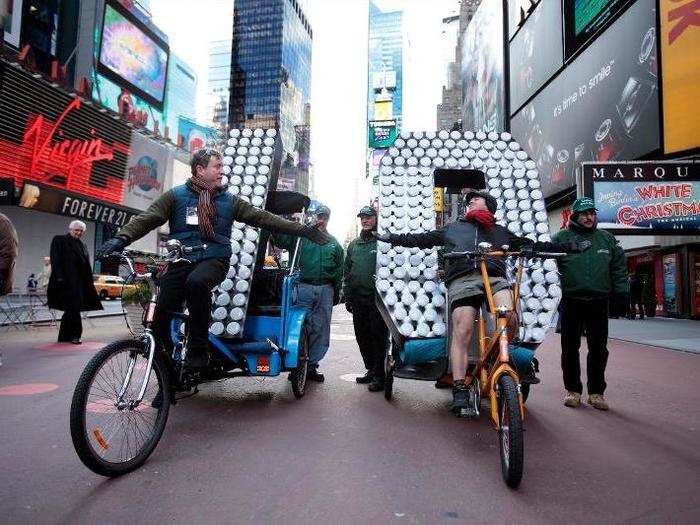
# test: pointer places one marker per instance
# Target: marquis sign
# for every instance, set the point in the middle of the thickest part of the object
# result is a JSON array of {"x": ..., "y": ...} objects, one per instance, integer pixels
[{"x": 646, "y": 198}]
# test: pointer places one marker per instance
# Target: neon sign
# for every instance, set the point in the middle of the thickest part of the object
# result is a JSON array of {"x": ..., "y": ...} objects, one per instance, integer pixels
[{"x": 46, "y": 155}]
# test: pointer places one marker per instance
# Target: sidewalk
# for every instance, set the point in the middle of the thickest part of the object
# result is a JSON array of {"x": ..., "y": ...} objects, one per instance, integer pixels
[
  {"x": 16, "y": 312},
  {"x": 665, "y": 332}
]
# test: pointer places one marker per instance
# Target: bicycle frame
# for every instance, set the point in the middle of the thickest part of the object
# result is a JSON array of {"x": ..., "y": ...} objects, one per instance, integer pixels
[{"x": 493, "y": 347}]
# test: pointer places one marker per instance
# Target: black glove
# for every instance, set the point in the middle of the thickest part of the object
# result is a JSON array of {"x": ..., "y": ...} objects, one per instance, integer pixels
[
  {"x": 384, "y": 237},
  {"x": 579, "y": 246},
  {"x": 315, "y": 235},
  {"x": 336, "y": 297},
  {"x": 348, "y": 306},
  {"x": 114, "y": 245}
]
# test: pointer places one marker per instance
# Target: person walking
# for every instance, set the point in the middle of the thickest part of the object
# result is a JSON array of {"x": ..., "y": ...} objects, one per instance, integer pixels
[
  {"x": 71, "y": 287},
  {"x": 320, "y": 283},
  {"x": 636, "y": 289},
  {"x": 587, "y": 280},
  {"x": 371, "y": 332}
]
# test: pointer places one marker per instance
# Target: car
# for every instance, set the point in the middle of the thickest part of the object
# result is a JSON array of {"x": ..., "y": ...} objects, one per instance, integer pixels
[{"x": 110, "y": 286}]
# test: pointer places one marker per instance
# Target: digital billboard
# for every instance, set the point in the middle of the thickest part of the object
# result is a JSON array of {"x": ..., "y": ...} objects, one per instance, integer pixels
[
  {"x": 583, "y": 18},
  {"x": 131, "y": 54},
  {"x": 603, "y": 106},
  {"x": 645, "y": 197},
  {"x": 680, "y": 42},
  {"x": 195, "y": 136},
  {"x": 11, "y": 14},
  {"x": 534, "y": 54},
  {"x": 483, "y": 97}
]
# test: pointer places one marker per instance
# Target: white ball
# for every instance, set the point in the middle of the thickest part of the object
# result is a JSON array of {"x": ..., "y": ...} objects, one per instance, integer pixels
[
  {"x": 233, "y": 328},
  {"x": 216, "y": 328}
]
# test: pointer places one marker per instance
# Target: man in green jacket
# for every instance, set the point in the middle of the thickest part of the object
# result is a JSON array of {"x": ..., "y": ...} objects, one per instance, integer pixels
[
  {"x": 588, "y": 279},
  {"x": 370, "y": 331},
  {"x": 199, "y": 212},
  {"x": 319, "y": 286}
]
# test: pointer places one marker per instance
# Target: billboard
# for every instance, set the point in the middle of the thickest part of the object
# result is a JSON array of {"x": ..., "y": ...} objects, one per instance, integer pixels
[
  {"x": 11, "y": 13},
  {"x": 53, "y": 138},
  {"x": 195, "y": 136},
  {"x": 584, "y": 18},
  {"x": 680, "y": 42},
  {"x": 131, "y": 54},
  {"x": 534, "y": 55},
  {"x": 146, "y": 169},
  {"x": 482, "y": 69},
  {"x": 645, "y": 198},
  {"x": 382, "y": 133},
  {"x": 603, "y": 106}
]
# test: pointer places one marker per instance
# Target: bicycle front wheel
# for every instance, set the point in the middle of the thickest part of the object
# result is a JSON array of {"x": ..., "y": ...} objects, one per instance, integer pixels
[
  {"x": 510, "y": 432},
  {"x": 111, "y": 435}
]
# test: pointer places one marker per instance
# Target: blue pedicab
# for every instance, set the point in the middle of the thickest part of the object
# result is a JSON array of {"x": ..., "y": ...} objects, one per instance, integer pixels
[{"x": 121, "y": 401}]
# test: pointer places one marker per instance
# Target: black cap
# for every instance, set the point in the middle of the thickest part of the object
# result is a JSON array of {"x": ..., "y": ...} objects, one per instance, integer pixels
[
  {"x": 491, "y": 202},
  {"x": 367, "y": 211}
]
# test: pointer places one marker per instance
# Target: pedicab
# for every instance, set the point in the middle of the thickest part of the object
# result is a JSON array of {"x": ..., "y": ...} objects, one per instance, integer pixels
[
  {"x": 122, "y": 399},
  {"x": 496, "y": 361}
]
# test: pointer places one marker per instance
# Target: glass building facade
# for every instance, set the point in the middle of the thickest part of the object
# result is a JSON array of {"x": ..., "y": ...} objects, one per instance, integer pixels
[
  {"x": 180, "y": 95},
  {"x": 271, "y": 78},
  {"x": 219, "y": 82},
  {"x": 385, "y": 56}
]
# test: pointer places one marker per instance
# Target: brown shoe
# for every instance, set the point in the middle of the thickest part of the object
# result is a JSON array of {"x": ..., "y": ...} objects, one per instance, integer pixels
[
  {"x": 598, "y": 401},
  {"x": 572, "y": 399}
]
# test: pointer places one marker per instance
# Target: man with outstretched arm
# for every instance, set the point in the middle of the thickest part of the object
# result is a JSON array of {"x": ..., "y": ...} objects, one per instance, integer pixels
[
  {"x": 200, "y": 211},
  {"x": 464, "y": 283}
]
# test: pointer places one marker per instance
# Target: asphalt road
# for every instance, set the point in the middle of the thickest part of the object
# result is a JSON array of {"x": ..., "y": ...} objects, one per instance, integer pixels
[{"x": 245, "y": 451}]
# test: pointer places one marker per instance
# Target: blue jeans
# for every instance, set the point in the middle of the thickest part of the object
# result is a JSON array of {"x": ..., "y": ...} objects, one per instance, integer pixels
[{"x": 319, "y": 301}]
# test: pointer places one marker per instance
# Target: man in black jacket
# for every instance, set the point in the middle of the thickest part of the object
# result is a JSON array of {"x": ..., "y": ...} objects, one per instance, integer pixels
[
  {"x": 71, "y": 287},
  {"x": 463, "y": 279}
]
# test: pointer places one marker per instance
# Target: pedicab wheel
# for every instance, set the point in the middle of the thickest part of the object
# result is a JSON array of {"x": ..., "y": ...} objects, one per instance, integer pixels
[
  {"x": 510, "y": 432},
  {"x": 111, "y": 437},
  {"x": 298, "y": 375},
  {"x": 388, "y": 376}
]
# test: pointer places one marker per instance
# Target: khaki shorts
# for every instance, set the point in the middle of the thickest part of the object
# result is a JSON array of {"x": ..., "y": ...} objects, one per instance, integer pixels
[{"x": 469, "y": 290}]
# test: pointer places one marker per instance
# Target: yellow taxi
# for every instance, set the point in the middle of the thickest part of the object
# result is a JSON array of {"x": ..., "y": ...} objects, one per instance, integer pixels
[{"x": 110, "y": 286}]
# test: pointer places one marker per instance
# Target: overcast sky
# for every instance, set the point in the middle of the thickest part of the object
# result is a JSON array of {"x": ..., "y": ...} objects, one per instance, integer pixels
[{"x": 339, "y": 78}]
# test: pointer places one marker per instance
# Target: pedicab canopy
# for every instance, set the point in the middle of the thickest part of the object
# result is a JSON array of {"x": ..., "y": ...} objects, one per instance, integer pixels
[{"x": 410, "y": 295}]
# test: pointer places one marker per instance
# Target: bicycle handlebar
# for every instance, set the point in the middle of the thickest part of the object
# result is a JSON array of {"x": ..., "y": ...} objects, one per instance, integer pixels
[{"x": 502, "y": 253}]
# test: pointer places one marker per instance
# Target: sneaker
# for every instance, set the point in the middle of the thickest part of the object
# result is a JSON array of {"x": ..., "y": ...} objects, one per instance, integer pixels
[
  {"x": 598, "y": 401},
  {"x": 463, "y": 400},
  {"x": 314, "y": 375},
  {"x": 528, "y": 377},
  {"x": 377, "y": 384},
  {"x": 363, "y": 380},
  {"x": 572, "y": 399}
]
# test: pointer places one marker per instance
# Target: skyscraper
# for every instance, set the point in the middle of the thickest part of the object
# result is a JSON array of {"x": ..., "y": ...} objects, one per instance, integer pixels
[
  {"x": 219, "y": 82},
  {"x": 271, "y": 76},
  {"x": 385, "y": 64},
  {"x": 181, "y": 94}
]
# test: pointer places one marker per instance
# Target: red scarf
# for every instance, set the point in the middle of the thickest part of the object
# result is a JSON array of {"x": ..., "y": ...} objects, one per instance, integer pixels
[
  {"x": 483, "y": 218},
  {"x": 206, "y": 209}
]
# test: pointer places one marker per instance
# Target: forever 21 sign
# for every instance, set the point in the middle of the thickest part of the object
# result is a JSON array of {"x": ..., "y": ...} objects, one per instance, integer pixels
[{"x": 60, "y": 142}]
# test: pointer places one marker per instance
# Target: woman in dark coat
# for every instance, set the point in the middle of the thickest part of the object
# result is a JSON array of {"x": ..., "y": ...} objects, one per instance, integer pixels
[{"x": 71, "y": 287}]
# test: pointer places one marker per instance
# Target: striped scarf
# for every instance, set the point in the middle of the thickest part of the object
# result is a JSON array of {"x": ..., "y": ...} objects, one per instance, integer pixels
[{"x": 206, "y": 209}]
